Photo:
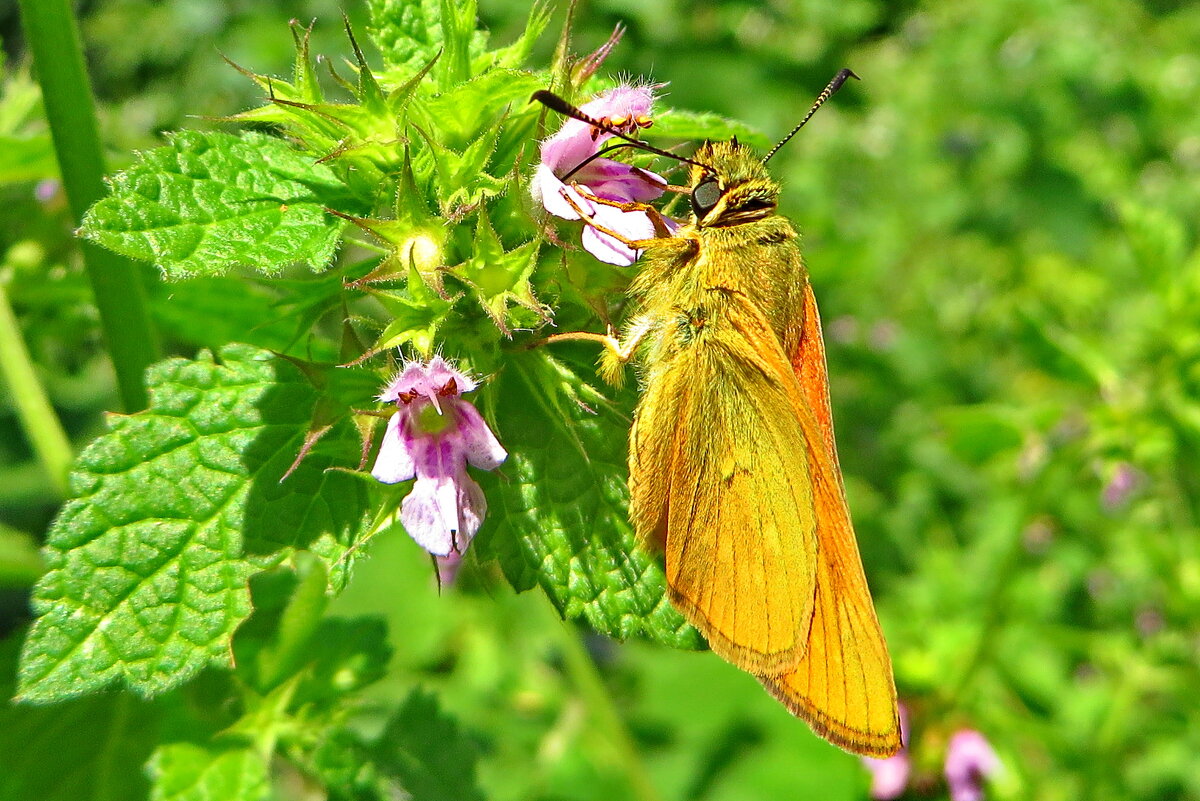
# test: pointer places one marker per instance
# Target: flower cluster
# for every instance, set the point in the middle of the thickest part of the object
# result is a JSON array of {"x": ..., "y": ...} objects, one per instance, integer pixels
[
  {"x": 432, "y": 437},
  {"x": 573, "y": 182}
]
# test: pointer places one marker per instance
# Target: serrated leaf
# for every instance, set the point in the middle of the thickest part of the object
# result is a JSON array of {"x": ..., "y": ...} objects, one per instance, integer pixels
[
  {"x": 209, "y": 202},
  {"x": 427, "y": 752},
  {"x": 561, "y": 507},
  {"x": 174, "y": 509},
  {"x": 190, "y": 772},
  {"x": 691, "y": 125},
  {"x": 461, "y": 179}
]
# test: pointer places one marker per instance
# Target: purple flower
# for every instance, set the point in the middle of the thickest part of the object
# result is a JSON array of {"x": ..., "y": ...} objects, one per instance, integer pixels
[
  {"x": 969, "y": 760},
  {"x": 889, "y": 776},
  {"x": 561, "y": 185},
  {"x": 1120, "y": 486},
  {"x": 432, "y": 437}
]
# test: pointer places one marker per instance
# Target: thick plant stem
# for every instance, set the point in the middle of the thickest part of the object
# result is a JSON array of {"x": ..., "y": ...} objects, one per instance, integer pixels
[
  {"x": 128, "y": 331},
  {"x": 583, "y": 673},
  {"x": 37, "y": 416}
]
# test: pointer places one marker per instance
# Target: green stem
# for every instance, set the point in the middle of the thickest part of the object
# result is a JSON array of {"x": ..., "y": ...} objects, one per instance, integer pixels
[
  {"x": 116, "y": 283},
  {"x": 583, "y": 673},
  {"x": 33, "y": 407}
]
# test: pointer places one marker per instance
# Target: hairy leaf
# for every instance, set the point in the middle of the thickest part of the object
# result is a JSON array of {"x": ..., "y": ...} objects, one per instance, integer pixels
[
  {"x": 175, "y": 508},
  {"x": 88, "y": 748},
  {"x": 209, "y": 202}
]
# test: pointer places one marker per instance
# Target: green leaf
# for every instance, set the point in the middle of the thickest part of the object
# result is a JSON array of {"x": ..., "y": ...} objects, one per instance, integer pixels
[
  {"x": 561, "y": 507},
  {"x": 427, "y": 752},
  {"x": 190, "y": 772},
  {"x": 90, "y": 748},
  {"x": 287, "y": 637},
  {"x": 676, "y": 124},
  {"x": 342, "y": 762},
  {"x": 487, "y": 97},
  {"x": 210, "y": 202},
  {"x": 175, "y": 508},
  {"x": 411, "y": 32},
  {"x": 461, "y": 177}
]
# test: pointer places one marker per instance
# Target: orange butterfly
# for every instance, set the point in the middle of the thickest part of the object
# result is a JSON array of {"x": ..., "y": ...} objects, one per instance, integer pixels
[{"x": 733, "y": 471}]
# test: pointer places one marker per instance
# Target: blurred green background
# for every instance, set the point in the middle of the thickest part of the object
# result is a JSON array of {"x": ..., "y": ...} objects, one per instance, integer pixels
[{"x": 999, "y": 221}]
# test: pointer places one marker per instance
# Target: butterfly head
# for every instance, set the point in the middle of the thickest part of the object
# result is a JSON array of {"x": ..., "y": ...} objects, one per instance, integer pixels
[{"x": 734, "y": 186}]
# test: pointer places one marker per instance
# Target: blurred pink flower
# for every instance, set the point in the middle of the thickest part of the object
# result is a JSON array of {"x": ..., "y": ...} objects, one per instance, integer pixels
[
  {"x": 889, "y": 776},
  {"x": 560, "y": 181},
  {"x": 969, "y": 760},
  {"x": 432, "y": 437},
  {"x": 1120, "y": 486}
]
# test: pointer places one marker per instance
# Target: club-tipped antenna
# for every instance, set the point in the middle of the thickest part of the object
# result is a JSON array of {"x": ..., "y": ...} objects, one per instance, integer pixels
[
  {"x": 556, "y": 103},
  {"x": 826, "y": 93}
]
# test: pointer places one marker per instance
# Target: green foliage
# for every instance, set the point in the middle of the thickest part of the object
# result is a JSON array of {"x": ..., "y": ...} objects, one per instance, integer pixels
[
  {"x": 188, "y": 772},
  {"x": 175, "y": 508},
  {"x": 996, "y": 223},
  {"x": 428, "y": 752},
  {"x": 210, "y": 202},
  {"x": 564, "y": 502}
]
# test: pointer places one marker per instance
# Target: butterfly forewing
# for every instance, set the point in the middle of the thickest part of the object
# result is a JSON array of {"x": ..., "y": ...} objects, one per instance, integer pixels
[{"x": 739, "y": 539}]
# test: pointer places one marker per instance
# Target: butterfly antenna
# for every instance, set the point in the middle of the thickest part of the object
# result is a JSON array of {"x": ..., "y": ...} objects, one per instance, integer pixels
[
  {"x": 826, "y": 93},
  {"x": 556, "y": 103}
]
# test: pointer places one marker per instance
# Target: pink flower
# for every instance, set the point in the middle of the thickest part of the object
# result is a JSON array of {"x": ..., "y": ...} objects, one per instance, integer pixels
[
  {"x": 1120, "y": 486},
  {"x": 432, "y": 437},
  {"x": 889, "y": 776},
  {"x": 560, "y": 181},
  {"x": 969, "y": 760}
]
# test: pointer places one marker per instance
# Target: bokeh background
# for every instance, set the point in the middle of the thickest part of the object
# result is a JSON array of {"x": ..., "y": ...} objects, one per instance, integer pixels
[{"x": 1000, "y": 225}]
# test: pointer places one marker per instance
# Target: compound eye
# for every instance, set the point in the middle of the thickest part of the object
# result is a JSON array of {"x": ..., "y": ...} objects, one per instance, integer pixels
[{"x": 704, "y": 197}]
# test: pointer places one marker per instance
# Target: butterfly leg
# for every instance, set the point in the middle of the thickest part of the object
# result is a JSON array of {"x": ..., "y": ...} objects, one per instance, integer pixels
[
  {"x": 661, "y": 231},
  {"x": 617, "y": 351},
  {"x": 636, "y": 244}
]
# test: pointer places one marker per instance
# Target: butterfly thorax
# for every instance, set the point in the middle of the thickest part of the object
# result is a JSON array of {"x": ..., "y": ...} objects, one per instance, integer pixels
[{"x": 735, "y": 243}]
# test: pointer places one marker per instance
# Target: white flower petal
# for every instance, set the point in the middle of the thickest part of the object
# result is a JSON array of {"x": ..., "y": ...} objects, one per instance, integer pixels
[{"x": 394, "y": 462}]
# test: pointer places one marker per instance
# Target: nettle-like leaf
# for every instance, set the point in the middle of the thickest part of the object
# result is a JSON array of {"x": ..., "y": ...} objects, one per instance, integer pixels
[
  {"x": 175, "y": 508},
  {"x": 562, "y": 505},
  {"x": 209, "y": 202},
  {"x": 191, "y": 772},
  {"x": 488, "y": 97}
]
